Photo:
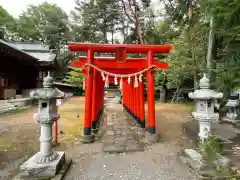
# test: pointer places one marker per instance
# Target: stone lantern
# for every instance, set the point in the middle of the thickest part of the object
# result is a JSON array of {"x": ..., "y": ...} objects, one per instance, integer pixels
[
  {"x": 46, "y": 162},
  {"x": 233, "y": 107},
  {"x": 204, "y": 111}
]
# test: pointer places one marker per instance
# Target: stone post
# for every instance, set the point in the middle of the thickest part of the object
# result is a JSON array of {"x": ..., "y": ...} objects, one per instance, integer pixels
[
  {"x": 46, "y": 162},
  {"x": 204, "y": 111}
]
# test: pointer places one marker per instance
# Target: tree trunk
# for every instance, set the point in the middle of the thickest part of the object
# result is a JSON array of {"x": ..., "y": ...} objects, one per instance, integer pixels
[
  {"x": 175, "y": 94},
  {"x": 138, "y": 29},
  {"x": 210, "y": 47},
  {"x": 112, "y": 36},
  {"x": 163, "y": 92}
]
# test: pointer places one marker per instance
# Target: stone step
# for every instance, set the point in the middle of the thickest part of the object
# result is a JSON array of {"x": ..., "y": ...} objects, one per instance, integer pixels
[{"x": 6, "y": 107}]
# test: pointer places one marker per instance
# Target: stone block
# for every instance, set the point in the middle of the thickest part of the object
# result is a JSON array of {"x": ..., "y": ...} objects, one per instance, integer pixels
[
  {"x": 87, "y": 138},
  {"x": 114, "y": 149},
  {"x": 195, "y": 160},
  {"x": 119, "y": 143},
  {"x": 133, "y": 148},
  {"x": 59, "y": 176},
  {"x": 46, "y": 170},
  {"x": 110, "y": 133},
  {"x": 151, "y": 138}
]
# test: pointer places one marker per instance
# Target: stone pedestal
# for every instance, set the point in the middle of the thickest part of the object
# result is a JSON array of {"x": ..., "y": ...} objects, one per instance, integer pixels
[
  {"x": 44, "y": 170},
  {"x": 151, "y": 138},
  {"x": 87, "y": 138}
]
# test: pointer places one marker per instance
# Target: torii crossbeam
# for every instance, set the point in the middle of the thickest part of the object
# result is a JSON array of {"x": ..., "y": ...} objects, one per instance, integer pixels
[{"x": 119, "y": 69}]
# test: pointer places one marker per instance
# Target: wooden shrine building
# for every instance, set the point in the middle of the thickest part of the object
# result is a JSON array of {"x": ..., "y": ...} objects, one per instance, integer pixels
[{"x": 23, "y": 66}]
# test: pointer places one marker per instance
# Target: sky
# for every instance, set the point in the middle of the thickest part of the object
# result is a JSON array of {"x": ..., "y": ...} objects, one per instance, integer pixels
[{"x": 15, "y": 7}]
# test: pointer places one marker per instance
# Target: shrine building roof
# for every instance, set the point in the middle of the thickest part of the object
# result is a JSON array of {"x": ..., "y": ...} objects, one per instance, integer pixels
[{"x": 36, "y": 49}]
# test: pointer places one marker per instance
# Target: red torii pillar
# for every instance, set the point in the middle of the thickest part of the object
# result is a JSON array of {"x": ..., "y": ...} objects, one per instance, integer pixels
[
  {"x": 137, "y": 105},
  {"x": 141, "y": 105},
  {"x": 151, "y": 100},
  {"x": 87, "y": 135},
  {"x": 97, "y": 100}
]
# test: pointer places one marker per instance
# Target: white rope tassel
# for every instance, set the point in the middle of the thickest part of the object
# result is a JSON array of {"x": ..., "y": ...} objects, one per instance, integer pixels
[
  {"x": 106, "y": 83},
  {"x": 129, "y": 80},
  {"x": 84, "y": 84},
  {"x": 136, "y": 82},
  {"x": 103, "y": 77},
  {"x": 121, "y": 84},
  {"x": 140, "y": 78},
  {"x": 115, "y": 80}
]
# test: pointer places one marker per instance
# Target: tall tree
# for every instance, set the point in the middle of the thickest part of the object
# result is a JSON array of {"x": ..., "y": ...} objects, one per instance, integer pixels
[
  {"x": 45, "y": 21},
  {"x": 94, "y": 20},
  {"x": 134, "y": 11},
  {"x": 7, "y": 24}
]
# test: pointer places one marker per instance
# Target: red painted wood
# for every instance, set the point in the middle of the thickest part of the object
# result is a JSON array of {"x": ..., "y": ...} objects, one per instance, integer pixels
[
  {"x": 102, "y": 91},
  {"x": 112, "y": 48},
  {"x": 94, "y": 96},
  {"x": 131, "y": 97},
  {"x": 135, "y": 99},
  {"x": 141, "y": 101},
  {"x": 138, "y": 102},
  {"x": 56, "y": 132},
  {"x": 88, "y": 93},
  {"x": 130, "y": 64},
  {"x": 125, "y": 93},
  {"x": 128, "y": 92},
  {"x": 150, "y": 86}
]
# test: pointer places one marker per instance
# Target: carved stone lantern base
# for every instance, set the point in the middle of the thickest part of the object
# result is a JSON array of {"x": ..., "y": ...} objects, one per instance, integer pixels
[
  {"x": 231, "y": 120},
  {"x": 33, "y": 169}
]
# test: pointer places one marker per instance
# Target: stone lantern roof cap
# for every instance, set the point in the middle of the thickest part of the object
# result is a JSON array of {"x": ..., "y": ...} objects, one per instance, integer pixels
[
  {"x": 204, "y": 92},
  {"x": 204, "y": 82},
  {"x": 48, "y": 91}
]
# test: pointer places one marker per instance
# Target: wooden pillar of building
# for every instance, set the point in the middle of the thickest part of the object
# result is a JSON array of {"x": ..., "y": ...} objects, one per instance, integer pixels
[
  {"x": 134, "y": 102},
  {"x": 124, "y": 94},
  {"x": 102, "y": 95},
  {"x": 132, "y": 99},
  {"x": 87, "y": 136},
  {"x": 137, "y": 105},
  {"x": 95, "y": 101},
  {"x": 126, "y": 85},
  {"x": 141, "y": 105},
  {"x": 151, "y": 103}
]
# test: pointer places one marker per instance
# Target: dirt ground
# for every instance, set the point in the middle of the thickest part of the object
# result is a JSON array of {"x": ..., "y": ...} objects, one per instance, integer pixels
[
  {"x": 19, "y": 133},
  {"x": 169, "y": 122}
]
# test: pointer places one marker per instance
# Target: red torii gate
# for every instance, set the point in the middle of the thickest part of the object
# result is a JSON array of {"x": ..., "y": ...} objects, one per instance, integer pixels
[{"x": 133, "y": 95}]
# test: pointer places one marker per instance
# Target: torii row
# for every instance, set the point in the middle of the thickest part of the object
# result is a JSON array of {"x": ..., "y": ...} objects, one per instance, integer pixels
[{"x": 133, "y": 98}]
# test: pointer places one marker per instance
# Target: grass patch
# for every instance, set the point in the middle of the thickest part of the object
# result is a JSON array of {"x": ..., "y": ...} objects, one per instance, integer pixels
[
  {"x": 171, "y": 106},
  {"x": 72, "y": 118},
  {"x": 16, "y": 111},
  {"x": 5, "y": 143}
]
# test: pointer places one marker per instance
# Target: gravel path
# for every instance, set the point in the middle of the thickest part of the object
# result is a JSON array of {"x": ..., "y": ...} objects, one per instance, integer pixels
[{"x": 157, "y": 162}]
